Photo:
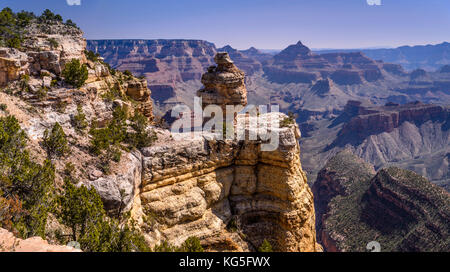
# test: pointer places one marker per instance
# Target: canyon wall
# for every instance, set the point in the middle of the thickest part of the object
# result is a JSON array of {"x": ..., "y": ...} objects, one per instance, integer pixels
[{"x": 394, "y": 207}]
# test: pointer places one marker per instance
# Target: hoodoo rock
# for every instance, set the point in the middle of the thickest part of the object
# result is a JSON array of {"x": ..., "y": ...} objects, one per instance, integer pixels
[{"x": 223, "y": 84}]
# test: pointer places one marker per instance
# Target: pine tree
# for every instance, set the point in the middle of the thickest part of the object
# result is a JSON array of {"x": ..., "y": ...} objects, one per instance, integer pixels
[
  {"x": 55, "y": 142},
  {"x": 75, "y": 73}
]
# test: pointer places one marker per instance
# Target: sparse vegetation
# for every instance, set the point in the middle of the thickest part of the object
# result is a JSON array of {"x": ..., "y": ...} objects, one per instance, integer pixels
[
  {"x": 26, "y": 187},
  {"x": 108, "y": 141},
  {"x": 82, "y": 210},
  {"x": 112, "y": 94},
  {"x": 141, "y": 137},
  {"x": 91, "y": 55},
  {"x": 111, "y": 135},
  {"x": 13, "y": 25},
  {"x": 289, "y": 120},
  {"x": 53, "y": 43},
  {"x": 79, "y": 120},
  {"x": 75, "y": 73},
  {"x": 42, "y": 93},
  {"x": 192, "y": 244},
  {"x": 55, "y": 142}
]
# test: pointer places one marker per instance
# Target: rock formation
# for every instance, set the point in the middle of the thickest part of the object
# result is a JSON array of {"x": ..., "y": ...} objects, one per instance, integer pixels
[
  {"x": 216, "y": 190},
  {"x": 397, "y": 208},
  {"x": 9, "y": 243},
  {"x": 372, "y": 120},
  {"x": 298, "y": 64},
  {"x": 230, "y": 194},
  {"x": 223, "y": 84},
  {"x": 412, "y": 136}
]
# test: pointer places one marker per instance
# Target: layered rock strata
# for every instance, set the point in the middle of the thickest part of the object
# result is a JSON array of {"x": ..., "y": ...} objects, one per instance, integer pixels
[
  {"x": 397, "y": 208},
  {"x": 215, "y": 189},
  {"x": 223, "y": 84}
]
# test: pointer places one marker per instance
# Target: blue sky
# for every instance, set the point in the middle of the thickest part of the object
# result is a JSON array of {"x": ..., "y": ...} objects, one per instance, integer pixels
[{"x": 264, "y": 24}]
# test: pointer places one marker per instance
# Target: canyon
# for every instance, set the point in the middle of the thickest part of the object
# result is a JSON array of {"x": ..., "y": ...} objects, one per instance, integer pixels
[
  {"x": 332, "y": 183},
  {"x": 397, "y": 208},
  {"x": 317, "y": 87},
  {"x": 229, "y": 194}
]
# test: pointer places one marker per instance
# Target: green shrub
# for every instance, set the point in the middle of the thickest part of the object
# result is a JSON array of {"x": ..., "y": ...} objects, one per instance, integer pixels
[
  {"x": 3, "y": 107},
  {"x": 82, "y": 210},
  {"x": 75, "y": 74},
  {"x": 42, "y": 93},
  {"x": 55, "y": 142},
  {"x": 12, "y": 27},
  {"x": 127, "y": 73},
  {"x": 164, "y": 246},
  {"x": 91, "y": 55},
  {"x": 288, "y": 121},
  {"x": 14, "y": 42},
  {"x": 192, "y": 244},
  {"x": 53, "y": 43},
  {"x": 112, "y": 94},
  {"x": 141, "y": 137},
  {"x": 265, "y": 246},
  {"x": 79, "y": 120},
  {"x": 25, "y": 180},
  {"x": 71, "y": 23},
  {"x": 112, "y": 135},
  {"x": 79, "y": 207},
  {"x": 24, "y": 18},
  {"x": 48, "y": 16}
]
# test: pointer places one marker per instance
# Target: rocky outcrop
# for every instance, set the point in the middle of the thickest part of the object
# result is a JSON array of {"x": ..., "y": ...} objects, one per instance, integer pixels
[
  {"x": 396, "y": 208},
  {"x": 13, "y": 64},
  {"x": 215, "y": 189},
  {"x": 138, "y": 91},
  {"x": 50, "y": 47},
  {"x": 223, "y": 84},
  {"x": 119, "y": 190},
  {"x": 9, "y": 243}
]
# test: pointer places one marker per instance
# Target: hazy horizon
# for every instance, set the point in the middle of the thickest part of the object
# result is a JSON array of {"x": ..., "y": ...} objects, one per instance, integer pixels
[{"x": 263, "y": 24}]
